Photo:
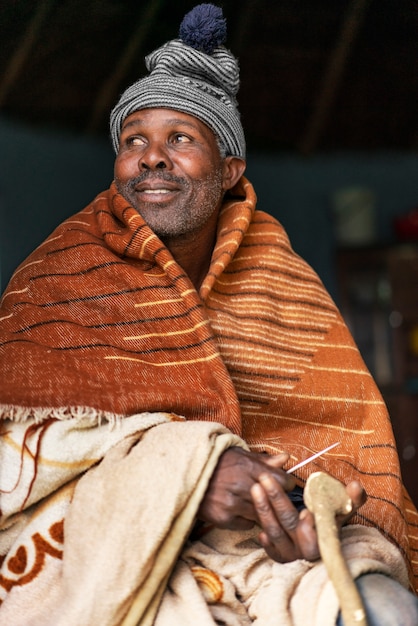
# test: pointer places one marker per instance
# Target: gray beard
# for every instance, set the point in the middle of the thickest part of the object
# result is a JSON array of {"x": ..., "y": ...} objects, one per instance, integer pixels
[{"x": 189, "y": 219}]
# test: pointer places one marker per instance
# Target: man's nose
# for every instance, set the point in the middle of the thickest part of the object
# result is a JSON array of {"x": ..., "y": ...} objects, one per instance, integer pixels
[{"x": 155, "y": 157}]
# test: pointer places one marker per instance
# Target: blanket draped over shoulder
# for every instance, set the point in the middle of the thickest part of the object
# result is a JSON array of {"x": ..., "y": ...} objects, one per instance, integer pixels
[{"x": 100, "y": 324}]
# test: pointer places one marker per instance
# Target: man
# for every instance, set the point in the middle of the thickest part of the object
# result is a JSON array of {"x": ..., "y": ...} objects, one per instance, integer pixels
[{"x": 173, "y": 310}]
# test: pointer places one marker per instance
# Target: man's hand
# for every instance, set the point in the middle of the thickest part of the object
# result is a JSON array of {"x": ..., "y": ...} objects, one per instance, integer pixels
[
  {"x": 248, "y": 488},
  {"x": 228, "y": 502},
  {"x": 286, "y": 534}
]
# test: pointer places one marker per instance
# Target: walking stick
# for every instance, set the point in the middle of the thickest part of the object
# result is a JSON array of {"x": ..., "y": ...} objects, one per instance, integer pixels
[{"x": 326, "y": 497}]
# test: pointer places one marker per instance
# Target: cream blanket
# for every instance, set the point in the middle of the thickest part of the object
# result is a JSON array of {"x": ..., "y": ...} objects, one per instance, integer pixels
[{"x": 126, "y": 558}]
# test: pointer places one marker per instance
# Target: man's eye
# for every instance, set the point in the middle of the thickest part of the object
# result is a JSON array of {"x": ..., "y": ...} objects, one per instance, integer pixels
[
  {"x": 180, "y": 138},
  {"x": 134, "y": 141}
]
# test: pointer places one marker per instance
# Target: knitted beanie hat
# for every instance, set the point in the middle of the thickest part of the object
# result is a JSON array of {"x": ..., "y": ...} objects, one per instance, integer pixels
[{"x": 194, "y": 74}]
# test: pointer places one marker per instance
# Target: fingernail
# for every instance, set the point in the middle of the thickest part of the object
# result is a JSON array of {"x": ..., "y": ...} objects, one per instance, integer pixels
[{"x": 257, "y": 492}]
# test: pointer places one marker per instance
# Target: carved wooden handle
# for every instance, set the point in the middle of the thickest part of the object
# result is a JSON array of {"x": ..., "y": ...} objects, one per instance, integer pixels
[{"x": 326, "y": 497}]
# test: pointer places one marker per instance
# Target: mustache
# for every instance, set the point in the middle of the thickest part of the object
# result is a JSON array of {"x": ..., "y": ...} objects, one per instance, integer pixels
[{"x": 152, "y": 175}]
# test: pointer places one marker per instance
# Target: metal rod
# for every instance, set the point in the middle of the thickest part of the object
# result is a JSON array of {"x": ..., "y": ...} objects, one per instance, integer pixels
[{"x": 311, "y": 458}]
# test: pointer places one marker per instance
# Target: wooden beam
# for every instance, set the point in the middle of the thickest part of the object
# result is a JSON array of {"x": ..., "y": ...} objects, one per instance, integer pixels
[
  {"x": 108, "y": 93},
  {"x": 333, "y": 74},
  {"x": 23, "y": 50}
]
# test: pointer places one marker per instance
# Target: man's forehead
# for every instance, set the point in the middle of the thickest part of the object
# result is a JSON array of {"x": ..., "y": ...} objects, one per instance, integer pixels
[{"x": 169, "y": 117}]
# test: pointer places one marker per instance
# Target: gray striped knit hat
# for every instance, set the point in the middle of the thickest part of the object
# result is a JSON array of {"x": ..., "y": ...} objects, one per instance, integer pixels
[{"x": 194, "y": 74}]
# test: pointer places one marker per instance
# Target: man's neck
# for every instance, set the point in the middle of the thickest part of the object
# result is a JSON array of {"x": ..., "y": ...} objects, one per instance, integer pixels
[{"x": 193, "y": 254}]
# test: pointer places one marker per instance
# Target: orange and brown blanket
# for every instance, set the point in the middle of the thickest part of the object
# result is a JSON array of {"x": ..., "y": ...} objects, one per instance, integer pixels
[{"x": 100, "y": 323}]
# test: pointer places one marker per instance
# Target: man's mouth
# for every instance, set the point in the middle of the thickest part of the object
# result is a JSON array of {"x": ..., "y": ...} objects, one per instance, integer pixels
[
  {"x": 155, "y": 194},
  {"x": 154, "y": 191},
  {"x": 156, "y": 188}
]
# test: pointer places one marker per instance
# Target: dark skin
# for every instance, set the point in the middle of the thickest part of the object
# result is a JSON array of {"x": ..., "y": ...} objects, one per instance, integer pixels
[
  {"x": 246, "y": 488},
  {"x": 157, "y": 142}
]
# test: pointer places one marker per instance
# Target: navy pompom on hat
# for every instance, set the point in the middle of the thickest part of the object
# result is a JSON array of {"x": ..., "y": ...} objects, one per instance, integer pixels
[
  {"x": 194, "y": 74},
  {"x": 204, "y": 28}
]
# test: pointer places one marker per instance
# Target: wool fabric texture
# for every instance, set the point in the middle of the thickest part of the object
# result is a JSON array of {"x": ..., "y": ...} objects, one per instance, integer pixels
[
  {"x": 88, "y": 551},
  {"x": 191, "y": 80},
  {"x": 100, "y": 320}
]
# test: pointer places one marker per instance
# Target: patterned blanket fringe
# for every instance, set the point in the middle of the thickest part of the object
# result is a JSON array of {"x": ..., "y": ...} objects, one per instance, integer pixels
[{"x": 41, "y": 414}]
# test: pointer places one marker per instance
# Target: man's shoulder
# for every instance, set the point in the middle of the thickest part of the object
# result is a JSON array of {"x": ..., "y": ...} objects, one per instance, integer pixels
[
  {"x": 265, "y": 224},
  {"x": 261, "y": 216}
]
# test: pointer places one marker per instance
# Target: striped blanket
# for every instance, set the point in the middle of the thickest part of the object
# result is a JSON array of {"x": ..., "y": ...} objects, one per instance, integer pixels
[{"x": 100, "y": 323}]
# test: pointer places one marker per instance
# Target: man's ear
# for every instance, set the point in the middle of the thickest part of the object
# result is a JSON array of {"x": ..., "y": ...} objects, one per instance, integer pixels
[{"x": 233, "y": 169}]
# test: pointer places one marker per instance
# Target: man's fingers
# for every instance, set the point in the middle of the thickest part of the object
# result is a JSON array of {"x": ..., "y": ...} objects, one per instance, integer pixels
[
  {"x": 280, "y": 503},
  {"x": 276, "y": 513},
  {"x": 272, "y": 537},
  {"x": 286, "y": 534},
  {"x": 358, "y": 497},
  {"x": 267, "y": 518},
  {"x": 307, "y": 537},
  {"x": 277, "y": 460},
  {"x": 357, "y": 494},
  {"x": 278, "y": 520}
]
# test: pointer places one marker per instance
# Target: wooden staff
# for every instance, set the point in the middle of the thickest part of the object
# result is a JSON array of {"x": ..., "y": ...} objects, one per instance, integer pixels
[{"x": 326, "y": 497}]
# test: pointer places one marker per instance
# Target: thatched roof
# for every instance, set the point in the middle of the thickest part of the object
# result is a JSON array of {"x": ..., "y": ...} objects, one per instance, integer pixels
[{"x": 317, "y": 75}]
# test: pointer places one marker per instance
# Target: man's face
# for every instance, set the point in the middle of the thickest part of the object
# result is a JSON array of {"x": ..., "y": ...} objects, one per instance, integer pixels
[{"x": 170, "y": 170}]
